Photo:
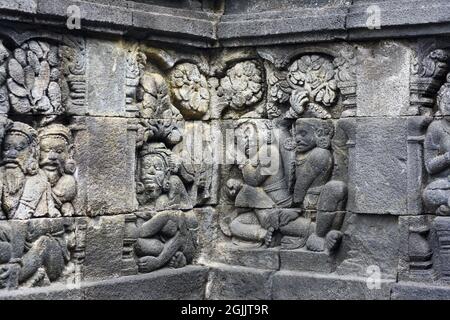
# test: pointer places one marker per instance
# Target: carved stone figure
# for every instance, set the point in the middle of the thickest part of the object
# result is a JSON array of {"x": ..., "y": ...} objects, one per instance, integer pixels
[
  {"x": 437, "y": 157},
  {"x": 167, "y": 239},
  {"x": 312, "y": 168},
  {"x": 264, "y": 189},
  {"x": 46, "y": 253},
  {"x": 26, "y": 192},
  {"x": 56, "y": 149},
  {"x": 158, "y": 186}
]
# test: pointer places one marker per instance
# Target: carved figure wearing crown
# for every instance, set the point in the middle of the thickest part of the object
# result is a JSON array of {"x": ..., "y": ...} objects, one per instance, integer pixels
[{"x": 56, "y": 146}]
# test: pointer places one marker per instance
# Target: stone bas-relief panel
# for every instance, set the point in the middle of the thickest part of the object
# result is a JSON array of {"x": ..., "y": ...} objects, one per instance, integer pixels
[{"x": 123, "y": 158}]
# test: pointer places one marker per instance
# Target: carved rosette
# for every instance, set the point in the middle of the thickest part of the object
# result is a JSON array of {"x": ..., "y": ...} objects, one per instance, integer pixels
[
  {"x": 243, "y": 85},
  {"x": 190, "y": 90}
]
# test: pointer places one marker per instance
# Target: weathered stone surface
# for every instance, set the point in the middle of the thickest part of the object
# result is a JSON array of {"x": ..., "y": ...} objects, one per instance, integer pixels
[
  {"x": 260, "y": 258},
  {"x": 105, "y": 78},
  {"x": 370, "y": 241},
  {"x": 103, "y": 252},
  {"x": 105, "y": 152},
  {"x": 180, "y": 284},
  {"x": 208, "y": 133},
  {"x": 383, "y": 80},
  {"x": 305, "y": 260},
  {"x": 288, "y": 285},
  {"x": 238, "y": 283},
  {"x": 413, "y": 291},
  {"x": 379, "y": 178},
  {"x": 187, "y": 283}
]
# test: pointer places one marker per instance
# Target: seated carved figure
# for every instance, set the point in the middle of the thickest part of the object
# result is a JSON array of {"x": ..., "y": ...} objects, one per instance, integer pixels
[
  {"x": 437, "y": 157},
  {"x": 263, "y": 198},
  {"x": 56, "y": 161},
  {"x": 25, "y": 190},
  {"x": 158, "y": 187},
  {"x": 166, "y": 239},
  {"x": 311, "y": 169},
  {"x": 46, "y": 253}
]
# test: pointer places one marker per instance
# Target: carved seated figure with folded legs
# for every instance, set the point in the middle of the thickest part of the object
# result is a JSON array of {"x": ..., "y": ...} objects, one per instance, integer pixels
[
  {"x": 437, "y": 157},
  {"x": 262, "y": 199},
  {"x": 47, "y": 248},
  {"x": 313, "y": 166},
  {"x": 166, "y": 239}
]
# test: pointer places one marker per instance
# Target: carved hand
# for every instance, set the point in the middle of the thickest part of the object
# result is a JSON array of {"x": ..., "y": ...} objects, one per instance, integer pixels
[
  {"x": 289, "y": 215},
  {"x": 298, "y": 100}
]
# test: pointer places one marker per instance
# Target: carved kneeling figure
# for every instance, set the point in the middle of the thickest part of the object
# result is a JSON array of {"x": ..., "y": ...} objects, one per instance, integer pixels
[{"x": 166, "y": 240}]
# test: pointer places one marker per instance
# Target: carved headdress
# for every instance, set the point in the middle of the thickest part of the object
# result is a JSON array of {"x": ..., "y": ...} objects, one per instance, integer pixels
[
  {"x": 19, "y": 128},
  {"x": 57, "y": 130}
]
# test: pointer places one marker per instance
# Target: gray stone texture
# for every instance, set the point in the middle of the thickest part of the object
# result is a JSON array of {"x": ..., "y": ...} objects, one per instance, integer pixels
[{"x": 225, "y": 149}]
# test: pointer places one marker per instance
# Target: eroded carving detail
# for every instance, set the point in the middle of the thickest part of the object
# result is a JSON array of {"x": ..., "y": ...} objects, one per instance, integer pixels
[{"x": 190, "y": 90}]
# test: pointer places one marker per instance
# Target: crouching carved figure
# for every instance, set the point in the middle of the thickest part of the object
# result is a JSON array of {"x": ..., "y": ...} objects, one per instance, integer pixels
[{"x": 164, "y": 231}]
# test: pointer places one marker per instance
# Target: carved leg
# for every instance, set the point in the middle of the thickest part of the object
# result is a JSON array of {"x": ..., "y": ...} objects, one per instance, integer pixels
[
  {"x": 246, "y": 227},
  {"x": 47, "y": 253},
  {"x": 148, "y": 247},
  {"x": 331, "y": 202},
  {"x": 436, "y": 196},
  {"x": 296, "y": 232}
]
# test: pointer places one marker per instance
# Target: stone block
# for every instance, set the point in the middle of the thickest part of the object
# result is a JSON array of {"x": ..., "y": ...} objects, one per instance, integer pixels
[
  {"x": 378, "y": 172},
  {"x": 105, "y": 154},
  {"x": 25, "y": 6},
  {"x": 304, "y": 260},
  {"x": 186, "y": 283},
  {"x": 289, "y": 285},
  {"x": 383, "y": 80},
  {"x": 103, "y": 252},
  {"x": 238, "y": 283},
  {"x": 105, "y": 78},
  {"x": 369, "y": 242},
  {"x": 419, "y": 291},
  {"x": 260, "y": 258}
]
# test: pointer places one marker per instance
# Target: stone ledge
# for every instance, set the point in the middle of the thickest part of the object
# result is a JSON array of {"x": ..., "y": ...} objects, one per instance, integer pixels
[
  {"x": 187, "y": 283},
  {"x": 399, "y": 18},
  {"x": 417, "y": 291},
  {"x": 291, "y": 285}
]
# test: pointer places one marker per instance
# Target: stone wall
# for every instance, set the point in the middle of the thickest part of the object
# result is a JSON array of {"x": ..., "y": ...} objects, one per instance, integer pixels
[{"x": 225, "y": 149}]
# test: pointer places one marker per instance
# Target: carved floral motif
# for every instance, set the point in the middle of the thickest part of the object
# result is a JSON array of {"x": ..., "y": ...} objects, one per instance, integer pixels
[
  {"x": 33, "y": 75},
  {"x": 190, "y": 89},
  {"x": 242, "y": 87}
]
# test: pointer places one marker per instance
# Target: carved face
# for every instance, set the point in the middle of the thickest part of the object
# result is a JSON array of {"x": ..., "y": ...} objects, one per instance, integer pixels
[
  {"x": 54, "y": 153},
  {"x": 17, "y": 150},
  {"x": 153, "y": 174},
  {"x": 305, "y": 138}
]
